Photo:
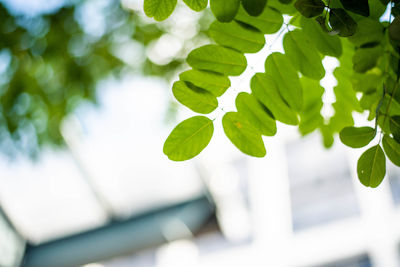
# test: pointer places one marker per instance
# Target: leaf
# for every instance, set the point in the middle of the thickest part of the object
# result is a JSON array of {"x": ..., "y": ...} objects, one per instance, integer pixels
[
  {"x": 366, "y": 58},
  {"x": 301, "y": 51},
  {"x": 196, "y": 5},
  {"x": 286, "y": 78},
  {"x": 395, "y": 127},
  {"x": 243, "y": 135},
  {"x": 224, "y": 10},
  {"x": 342, "y": 22},
  {"x": 357, "y": 137},
  {"x": 268, "y": 22},
  {"x": 392, "y": 149},
  {"x": 236, "y": 36},
  {"x": 189, "y": 138},
  {"x": 265, "y": 90},
  {"x": 254, "y": 7},
  {"x": 368, "y": 31},
  {"x": 284, "y": 8},
  {"x": 310, "y": 8},
  {"x": 327, "y": 44},
  {"x": 195, "y": 98},
  {"x": 310, "y": 115},
  {"x": 159, "y": 9},
  {"x": 360, "y": 7},
  {"x": 218, "y": 59},
  {"x": 249, "y": 107},
  {"x": 371, "y": 167},
  {"x": 213, "y": 82},
  {"x": 394, "y": 29}
]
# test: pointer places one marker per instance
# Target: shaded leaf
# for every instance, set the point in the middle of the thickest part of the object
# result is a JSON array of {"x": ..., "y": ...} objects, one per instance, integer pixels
[
  {"x": 218, "y": 59},
  {"x": 265, "y": 90},
  {"x": 254, "y": 112},
  {"x": 196, "y": 5},
  {"x": 366, "y": 58},
  {"x": 236, "y": 36},
  {"x": 224, "y": 10},
  {"x": 286, "y": 78},
  {"x": 254, "y": 7},
  {"x": 371, "y": 167},
  {"x": 243, "y": 135},
  {"x": 357, "y": 137},
  {"x": 342, "y": 22},
  {"x": 213, "y": 82},
  {"x": 268, "y": 22},
  {"x": 368, "y": 31},
  {"x": 195, "y": 98},
  {"x": 395, "y": 127},
  {"x": 394, "y": 29},
  {"x": 188, "y": 138},
  {"x": 392, "y": 149},
  {"x": 310, "y": 8},
  {"x": 360, "y": 7},
  {"x": 159, "y": 9}
]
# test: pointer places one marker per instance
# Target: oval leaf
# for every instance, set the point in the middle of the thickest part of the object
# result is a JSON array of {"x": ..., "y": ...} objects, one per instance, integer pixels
[
  {"x": 218, "y": 59},
  {"x": 265, "y": 90},
  {"x": 342, "y": 23},
  {"x": 224, "y": 10},
  {"x": 357, "y": 137},
  {"x": 195, "y": 98},
  {"x": 310, "y": 8},
  {"x": 368, "y": 31},
  {"x": 255, "y": 113},
  {"x": 286, "y": 78},
  {"x": 189, "y": 138},
  {"x": 196, "y": 5},
  {"x": 371, "y": 167},
  {"x": 236, "y": 36},
  {"x": 213, "y": 82},
  {"x": 254, "y": 7},
  {"x": 270, "y": 20},
  {"x": 392, "y": 149},
  {"x": 159, "y": 9},
  {"x": 243, "y": 135},
  {"x": 301, "y": 51},
  {"x": 395, "y": 127},
  {"x": 366, "y": 58}
]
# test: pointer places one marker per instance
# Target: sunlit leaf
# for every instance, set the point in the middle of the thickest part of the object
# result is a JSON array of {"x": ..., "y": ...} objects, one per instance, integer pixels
[
  {"x": 196, "y": 5},
  {"x": 218, "y": 59},
  {"x": 213, "y": 82},
  {"x": 369, "y": 31},
  {"x": 310, "y": 8},
  {"x": 237, "y": 36},
  {"x": 195, "y": 98},
  {"x": 189, "y": 138},
  {"x": 342, "y": 22},
  {"x": 357, "y": 136},
  {"x": 159, "y": 9},
  {"x": 286, "y": 78},
  {"x": 392, "y": 149},
  {"x": 243, "y": 135},
  {"x": 371, "y": 167},
  {"x": 224, "y": 10},
  {"x": 254, "y": 7},
  {"x": 268, "y": 22},
  {"x": 265, "y": 90},
  {"x": 255, "y": 113}
]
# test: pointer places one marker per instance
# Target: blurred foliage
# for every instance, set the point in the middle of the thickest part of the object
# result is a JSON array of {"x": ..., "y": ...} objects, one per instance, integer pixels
[{"x": 49, "y": 65}]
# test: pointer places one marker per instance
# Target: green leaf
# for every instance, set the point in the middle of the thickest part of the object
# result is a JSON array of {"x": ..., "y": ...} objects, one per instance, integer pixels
[
  {"x": 394, "y": 29},
  {"x": 368, "y": 31},
  {"x": 301, "y": 51},
  {"x": 237, "y": 36},
  {"x": 357, "y": 137},
  {"x": 268, "y": 22},
  {"x": 286, "y": 78},
  {"x": 249, "y": 107},
  {"x": 189, "y": 138},
  {"x": 213, "y": 82},
  {"x": 310, "y": 8},
  {"x": 366, "y": 58},
  {"x": 218, "y": 59},
  {"x": 342, "y": 22},
  {"x": 327, "y": 44},
  {"x": 196, "y": 5},
  {"x": 265, "y": 90},
  {"x": 159, "y": 9},
  {"x": 254, "y": 7},
  {"x": 195, "y": 98},
  {"x": 395, "y": 127},
  {"x": 360, "y": 7},
  {"x": 284, "y": 8},
  {"x": 310, "y": 115},
  {"x": 371, "y": 167},
  {"x": 224, "y": 10},
  {"x": 243, "y": 135},
  {"x": 392, "y": 149}
]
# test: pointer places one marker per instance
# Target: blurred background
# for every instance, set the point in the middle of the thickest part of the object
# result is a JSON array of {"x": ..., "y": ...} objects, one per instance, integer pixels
[{"x": 85, "y": 106}]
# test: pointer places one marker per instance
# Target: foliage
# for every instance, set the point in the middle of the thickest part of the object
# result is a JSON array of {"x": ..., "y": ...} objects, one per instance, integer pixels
[{"x": 289, "y": 90}]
